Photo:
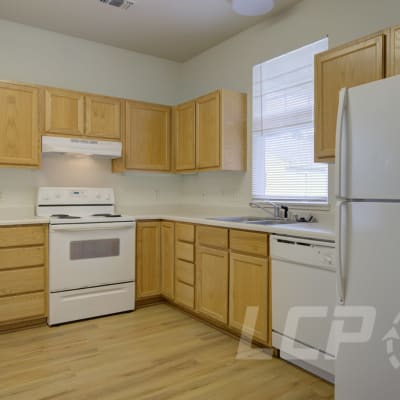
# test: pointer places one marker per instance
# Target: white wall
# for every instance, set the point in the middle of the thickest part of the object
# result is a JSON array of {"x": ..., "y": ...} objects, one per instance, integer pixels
[
  {"x": 42, "y": 57},
  {"x": 229, "y": 65}
]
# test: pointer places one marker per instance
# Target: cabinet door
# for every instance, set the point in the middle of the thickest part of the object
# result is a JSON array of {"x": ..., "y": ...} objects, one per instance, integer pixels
[
  {"x": 394, "y": 62},
  {"x": 167, "y": 259},
  {"x": 148, "y": 141},
  {"x": 19, "y": 136},
  {"x": 103, "y": 117},
  {"x": 64, "y": 112},
  {"x": 148, "y": 268},
  {"x": 354, "y": 64},
  {"x": 185, "y": 137},
  {"x": 212, "y": 283},
  {"x": 208, "y": 132},
  {"x": 248, "y": 287}
]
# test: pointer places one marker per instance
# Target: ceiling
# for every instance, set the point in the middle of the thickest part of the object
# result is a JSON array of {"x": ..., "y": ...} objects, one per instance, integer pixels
[{"x": 171, "y": 29}]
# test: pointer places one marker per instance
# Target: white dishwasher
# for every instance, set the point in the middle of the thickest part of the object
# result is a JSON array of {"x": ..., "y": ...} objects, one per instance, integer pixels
[{"x": 303, "y": 288}]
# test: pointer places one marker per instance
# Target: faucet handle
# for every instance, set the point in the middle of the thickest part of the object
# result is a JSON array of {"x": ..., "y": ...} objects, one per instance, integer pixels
[{"x": 286, "y": 211}]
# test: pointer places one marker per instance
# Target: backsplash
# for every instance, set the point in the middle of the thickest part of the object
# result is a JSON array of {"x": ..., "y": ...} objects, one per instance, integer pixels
[{"x": 18, "y": 187}]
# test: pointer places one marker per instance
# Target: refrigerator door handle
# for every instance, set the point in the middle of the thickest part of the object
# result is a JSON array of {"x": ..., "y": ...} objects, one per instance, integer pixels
[
  {"x": 340, "y": 157},
  {"x": 339, "y": 252}
]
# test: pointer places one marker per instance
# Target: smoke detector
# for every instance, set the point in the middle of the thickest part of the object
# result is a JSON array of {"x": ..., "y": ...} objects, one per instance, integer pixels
[{"x": 123, "y": 4}]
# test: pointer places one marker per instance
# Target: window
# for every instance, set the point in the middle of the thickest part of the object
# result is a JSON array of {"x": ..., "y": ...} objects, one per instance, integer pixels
[{"x": 283, "y": 129}]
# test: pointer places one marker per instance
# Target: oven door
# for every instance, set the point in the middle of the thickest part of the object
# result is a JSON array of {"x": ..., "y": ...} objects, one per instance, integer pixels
[{"x": 88, "y": 255}]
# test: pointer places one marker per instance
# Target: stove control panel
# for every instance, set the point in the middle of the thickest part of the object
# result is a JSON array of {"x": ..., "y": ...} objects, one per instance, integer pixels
[{"x": 70, "y": 196}]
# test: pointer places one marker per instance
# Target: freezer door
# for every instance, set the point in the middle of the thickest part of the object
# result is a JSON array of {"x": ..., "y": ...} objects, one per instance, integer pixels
[
  {"x": 371, "y": 276},
  {"x": 368, "y": 141}
]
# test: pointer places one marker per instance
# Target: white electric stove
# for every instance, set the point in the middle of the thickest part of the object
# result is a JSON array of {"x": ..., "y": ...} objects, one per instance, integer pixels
[{"x": 91, "y": 253}]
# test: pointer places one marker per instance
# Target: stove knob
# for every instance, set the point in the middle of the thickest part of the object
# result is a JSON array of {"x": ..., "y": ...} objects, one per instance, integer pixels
[{"x": 98, "y": 196}]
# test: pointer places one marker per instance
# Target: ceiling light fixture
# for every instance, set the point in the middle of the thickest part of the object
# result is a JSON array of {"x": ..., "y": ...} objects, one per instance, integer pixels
[
  {"x": 252, "y": 8},
  {"x": 123, "y": 4}
]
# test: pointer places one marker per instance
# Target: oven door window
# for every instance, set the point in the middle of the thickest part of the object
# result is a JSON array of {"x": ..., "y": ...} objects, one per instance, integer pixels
[{"x": 100, "y": 248}]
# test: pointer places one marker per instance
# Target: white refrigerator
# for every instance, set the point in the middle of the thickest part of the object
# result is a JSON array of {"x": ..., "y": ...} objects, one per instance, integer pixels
[{"x": 368, "y": 241}]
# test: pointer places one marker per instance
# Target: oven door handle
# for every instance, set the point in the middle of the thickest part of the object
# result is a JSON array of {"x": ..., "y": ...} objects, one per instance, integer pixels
[{"x": 92, "y": 227}]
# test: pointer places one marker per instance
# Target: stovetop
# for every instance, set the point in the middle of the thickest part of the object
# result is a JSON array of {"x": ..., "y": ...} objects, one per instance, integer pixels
[{"x": 78, "y": 205}]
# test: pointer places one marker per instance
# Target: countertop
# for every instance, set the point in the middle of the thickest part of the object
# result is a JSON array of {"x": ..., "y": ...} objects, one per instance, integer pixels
[
  {"x": 305, "y": 230},
  {"x": 22, "y": 220}
]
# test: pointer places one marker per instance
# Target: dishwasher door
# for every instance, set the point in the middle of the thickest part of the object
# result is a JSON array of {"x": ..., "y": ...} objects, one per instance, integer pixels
[{"x": 303, "y": 275}]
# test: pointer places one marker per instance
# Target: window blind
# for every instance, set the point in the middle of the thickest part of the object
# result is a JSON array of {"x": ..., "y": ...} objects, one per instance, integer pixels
[{"x": 283, "y": 129}]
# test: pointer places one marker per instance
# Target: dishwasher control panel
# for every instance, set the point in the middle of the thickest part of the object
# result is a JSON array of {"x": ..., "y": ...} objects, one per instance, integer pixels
[{"x": 303, "y": 251}]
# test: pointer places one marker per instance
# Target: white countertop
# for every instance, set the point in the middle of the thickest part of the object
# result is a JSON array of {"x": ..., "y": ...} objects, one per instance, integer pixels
[
  {"x": 20, "y": 216},
  {"x": 305, "y": 230}
]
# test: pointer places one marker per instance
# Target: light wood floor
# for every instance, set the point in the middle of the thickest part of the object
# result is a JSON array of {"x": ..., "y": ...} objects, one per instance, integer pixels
[{"x": 154, "y": 353}]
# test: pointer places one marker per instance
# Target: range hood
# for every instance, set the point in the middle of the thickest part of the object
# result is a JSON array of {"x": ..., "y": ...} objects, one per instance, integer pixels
[{"x": 96, "y": 148}]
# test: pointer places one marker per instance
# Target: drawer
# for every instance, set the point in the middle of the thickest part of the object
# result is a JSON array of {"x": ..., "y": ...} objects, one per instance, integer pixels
[
  {"x": 22, "y": 236},
  {"x": 22, "y": 307},
  {"x": 249, "y": 242},
  {"x": 212, "y": 237},
  {"x": 22, "y": 281},
  {"x": 184, "y": 294},
  {"x": 184, "y": 272},
  {"x": 22, "y": 257},
  {"x": 184, "y": 232},
  {"x": 184, "y": 251}
]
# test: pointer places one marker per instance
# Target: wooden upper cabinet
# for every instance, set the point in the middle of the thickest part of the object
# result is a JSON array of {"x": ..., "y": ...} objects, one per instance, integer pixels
[
  {"x": 185, "y": 137},
  {"x": 148, "y": 139},
  {"x": 19, "y": 125},
  {"x": 210, "y": 133},
  {"x": 350, "y": 65},
  {"x": 64, "y": 112},
  {"x": 103, "y": 117},
  {"x": 208, "y": 138},
  {"x": 394, "y": 51},
  {"x": 167, "y": 259},
  {"x": 148, "y": 259}
]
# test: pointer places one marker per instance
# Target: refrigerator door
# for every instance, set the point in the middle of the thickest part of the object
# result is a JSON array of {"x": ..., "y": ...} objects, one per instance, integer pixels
[
  {"x": 370, "y": 370},
  {"x": 368, "y": 141}
]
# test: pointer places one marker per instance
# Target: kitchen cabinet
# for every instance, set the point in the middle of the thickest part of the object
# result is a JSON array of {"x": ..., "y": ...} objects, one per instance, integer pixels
[
  {"x": 353, "y": 64},
  {"x": 64, "y": 112},
  {"x": 167, "y": 259},
  {"x": 71, "y": 113},
  {"x": 394, "y": 51},
  {"x": 185, "y": 136},
  {"x": 212, "y": 272},
  {"x": 184, "y": 265},
  {"x": 210, "y": 132},
  {"x": 249, "y": 283},
  {"x": 212, "y": 269},
  {"x": 103, "y": 117},
  {"x": 23, "y": 275},
  {"x": 147, "y": 137},
  {"x": 148, "y": 259},
  {"x": 19, "y": 125},
  {"x": 249, "y": 296}
]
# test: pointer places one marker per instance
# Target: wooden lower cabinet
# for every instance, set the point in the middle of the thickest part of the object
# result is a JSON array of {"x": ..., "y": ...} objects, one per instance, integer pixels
[
  {"x": 148, "y": 259},
  {"x": 167, "y": 259},
  {"x": 248, "y": 296},
  {"x": 212, "y": 270},
  {"x": 23, "y": 275}
]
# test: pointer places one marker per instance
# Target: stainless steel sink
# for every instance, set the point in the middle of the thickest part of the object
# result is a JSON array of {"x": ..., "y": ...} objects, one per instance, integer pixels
[{"x": 253, "y": 220}]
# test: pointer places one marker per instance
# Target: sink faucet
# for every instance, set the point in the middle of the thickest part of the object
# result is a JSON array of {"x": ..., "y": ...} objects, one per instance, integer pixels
[{"x": 277, "y": 208}]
